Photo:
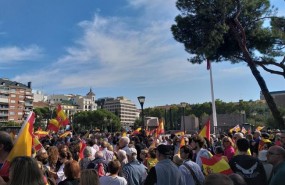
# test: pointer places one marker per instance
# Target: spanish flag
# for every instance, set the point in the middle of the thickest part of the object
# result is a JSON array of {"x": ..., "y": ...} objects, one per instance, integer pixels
[
  {"x": 216, "y": 164},
  {"x": 53, "y": 125},
  {"x": 160, "y": 128},
  {"x": 205, "y": 132},
  {"x": 61, "y": 117},
  {"x": 235, "y": 128},
  {"x": 37, "y": 144},
  {"x": 23, "y": 144},
  {"x": 259, "y": 128},
  {"x": 41, "y": 133},
  {"x": 66, "y": 133},
  {"x": 137, "y": 131},
  {"x": 243, "y": 130}
]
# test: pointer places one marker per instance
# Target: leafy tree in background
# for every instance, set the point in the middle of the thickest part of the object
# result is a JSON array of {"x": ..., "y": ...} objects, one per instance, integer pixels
[{"x": 233, "y": 30}]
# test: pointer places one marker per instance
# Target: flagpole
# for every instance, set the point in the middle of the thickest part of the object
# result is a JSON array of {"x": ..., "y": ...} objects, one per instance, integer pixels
[{"x": 212, "y": 94}]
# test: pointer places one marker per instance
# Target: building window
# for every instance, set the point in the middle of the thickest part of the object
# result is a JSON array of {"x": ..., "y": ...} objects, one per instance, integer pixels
[
  {"x": 12, "y": 113},
  {"x": 12, "y": 101}
]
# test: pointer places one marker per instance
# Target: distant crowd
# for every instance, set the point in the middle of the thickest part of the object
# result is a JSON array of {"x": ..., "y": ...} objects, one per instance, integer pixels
[{"x": 94, "y": 158}]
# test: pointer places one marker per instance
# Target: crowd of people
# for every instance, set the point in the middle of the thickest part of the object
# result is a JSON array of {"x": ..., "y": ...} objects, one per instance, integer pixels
[{"x": 94, "y": 158}]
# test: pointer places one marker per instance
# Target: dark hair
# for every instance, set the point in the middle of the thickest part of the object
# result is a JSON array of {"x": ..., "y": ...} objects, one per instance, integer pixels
[
  {"x": 200, "y": 140},
  {"x": 237, "y": 179},
  {"x": 114, "y": 166},
  {"x": 219, "y": 150},
  {"x": 89, "y": 177},
  {"x": 6, "y": 140},
  {"x": 25, "y": 170},
  {"x": 218, "y": 179},
  {"x": 242, "y": 144},
  {"x": 72, "y": 170},
  {"x": 187, "y": 150}
]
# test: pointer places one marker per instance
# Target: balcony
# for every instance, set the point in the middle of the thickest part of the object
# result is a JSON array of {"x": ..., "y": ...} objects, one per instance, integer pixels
[
  {"x": 28, "y": 93},
  {"x": 28, "y": 104},
  {"x": 4, "y": 99},
  {"x": 29, "y": 97},
  {"x": 3, "y": 114},
  {"x": 3, "y": 120},
  {"x": 4, "y": 91},
  {"x": 4, "y": 108}
]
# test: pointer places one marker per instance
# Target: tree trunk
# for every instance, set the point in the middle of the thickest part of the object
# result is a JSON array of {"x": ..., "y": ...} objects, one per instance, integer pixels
[{"x": 239, "y": 34}]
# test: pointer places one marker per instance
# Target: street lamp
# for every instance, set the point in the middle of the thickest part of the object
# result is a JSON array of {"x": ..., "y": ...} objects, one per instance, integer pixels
[
  {"x": 141, "y": 100},
  {"x": 183, "y": 105}
]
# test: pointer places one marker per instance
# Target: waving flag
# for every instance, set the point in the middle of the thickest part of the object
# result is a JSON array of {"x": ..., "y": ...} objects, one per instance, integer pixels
[
  {"x": 61, "y": 117},
  {"x": 66, "y": 133},
  {"x": 22, "y": 145},
  {"x": 235, "y": 128},
  {"x": 137, "y": 131},
  {"x": 37, "y": 144},
  {"x": 160, "y": 128},
  {"x": 205, "y": 132},
  {"x": 216, "y": 164},
  {"x": 41, "y": 133},
  {"x": 53, "y": 125},
  {"x": 259, "y": 128},
  {"x": 243, "y": 130}
]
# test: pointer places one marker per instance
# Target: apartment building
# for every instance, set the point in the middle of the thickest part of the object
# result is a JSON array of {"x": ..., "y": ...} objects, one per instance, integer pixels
[
  {"x": 73, "y": 103},
  {"x": 16, "y": 100},
  {"x": 125, "y": 109}
]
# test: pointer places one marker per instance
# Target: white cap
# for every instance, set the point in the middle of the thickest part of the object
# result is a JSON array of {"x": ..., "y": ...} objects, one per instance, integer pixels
[
  {"x": 262, "y": 155},
  {"x": 131, "y": 151}
]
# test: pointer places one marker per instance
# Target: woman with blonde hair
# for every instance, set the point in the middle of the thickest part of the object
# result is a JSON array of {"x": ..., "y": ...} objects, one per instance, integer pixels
[
  {"x": 229, "y": 150},
  {"x": 89, "y": 177}
]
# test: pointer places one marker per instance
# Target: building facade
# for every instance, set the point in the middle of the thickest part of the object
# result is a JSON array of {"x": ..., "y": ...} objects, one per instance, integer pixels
[
  {"x": 122, "y": 107},
  {"x": 16, "y": 101},
  {"x": 278, "y": 96}
]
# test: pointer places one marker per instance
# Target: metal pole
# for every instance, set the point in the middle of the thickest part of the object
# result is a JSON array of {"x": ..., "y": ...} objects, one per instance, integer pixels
[{"x": 184, "y": 119}]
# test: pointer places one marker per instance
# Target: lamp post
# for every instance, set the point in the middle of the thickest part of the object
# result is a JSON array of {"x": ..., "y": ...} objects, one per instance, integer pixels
[
  {"x": 183, "y": 105},
  {"x": 141, "y": 100}
]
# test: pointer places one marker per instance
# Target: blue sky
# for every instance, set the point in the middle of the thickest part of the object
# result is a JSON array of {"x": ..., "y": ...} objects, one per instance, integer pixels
[{"x": 116, "y": 47}]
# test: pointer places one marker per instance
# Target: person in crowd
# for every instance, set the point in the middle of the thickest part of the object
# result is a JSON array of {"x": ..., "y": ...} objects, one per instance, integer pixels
[
  {"x": 266, "y": 165},
  {"x": 165, "y": 172},
  {"x": 6, "y": 145},
  {"x": 237, "y": 179},
  {"x": 177, "y": 160},
  {"x": 249, "y": 167},
  {"x": 139, "y": 146},
  {"x": 228, "y": 145},
  {"x": 53, "y": 156},
  {"x": 237, "y": 136},
  {"x": 89, "y": 177},
  {"x": 99, "y": 160},
  {"x": 134, "y": 171},
  {"x": 123, "y": 143},
  {"x": 218, "y": 179},
  {"x": 63, "y": 158},
  {"x": 197, "y": 144},
  {"x": 113, "y": 179},
  {"x": 249, "y": 137},
  {"x": 276, "y": 157},
  {"x": 152, "y": 160},
  {"x": 71, "y": 172},
  {"x": 24, "y": 170},
  {"x": 190, "y": 170},
  {"x": 94, "y": 147},
  {"x": 219, "y": 152},
  {"x": 87, "y": 153},
  {"x": 255, "y": 144},
  {"x": 107, "y": 154},
  {"x": 144, "y": 155},
  {"x": 282, "y": 139}
]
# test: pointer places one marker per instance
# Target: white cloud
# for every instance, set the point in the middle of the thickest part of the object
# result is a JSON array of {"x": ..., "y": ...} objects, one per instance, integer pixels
[{"x": 13, "y": 54}]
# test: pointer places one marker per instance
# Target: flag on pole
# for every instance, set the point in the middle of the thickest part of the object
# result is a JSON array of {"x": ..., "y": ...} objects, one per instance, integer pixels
[
  {"x": 41, "y": 133},
  {"x": 66, "y": 133},
  {"x": 22, "y": 145},
  {"x": 205, "y": 132},
  {"x": 160, "y": 128},
  {"x": 137, "y": 131},
  {"x": 53, "y": 125}
]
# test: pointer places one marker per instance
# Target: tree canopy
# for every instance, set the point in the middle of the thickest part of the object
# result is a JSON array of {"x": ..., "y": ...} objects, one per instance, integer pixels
[{"x": 234, "y": 31}]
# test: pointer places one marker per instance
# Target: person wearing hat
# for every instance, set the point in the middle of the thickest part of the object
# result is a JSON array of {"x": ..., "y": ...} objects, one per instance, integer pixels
[
  {"x": 134, "y": 171},
  {"x": 165, "y": 172},
  {"x": 267, "y": 166}
]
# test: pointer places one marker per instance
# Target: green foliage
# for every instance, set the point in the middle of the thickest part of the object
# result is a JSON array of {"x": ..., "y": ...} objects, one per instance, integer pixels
[{"x": 101, "y": 119}]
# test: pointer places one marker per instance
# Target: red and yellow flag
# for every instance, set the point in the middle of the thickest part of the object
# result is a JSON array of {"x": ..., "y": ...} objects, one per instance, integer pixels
[
  {"x": 137, "y": 131},
  {"x": 160, "y": 128},
  {"x": 235, "y": 128},
  {"x": 41, "y": 133},
  {"x": 61, "y": 117},
  {"x": 37, "y": 144},
  {"x": 53, "y": 125},
  {"x": 205, "y": 132},
  {"x": 259, "y": 128},
  {"x": 216, "y": 164},
  {"x": 243, "y": 130},
  {"x": 22, "y": 145},
  {"x": 66, "y": 133}
]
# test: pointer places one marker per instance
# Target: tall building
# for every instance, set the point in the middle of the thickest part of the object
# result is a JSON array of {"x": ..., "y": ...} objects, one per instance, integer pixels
[
  {"x": 123, "y": 108},
  {"x": 16, "y": 100}
]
